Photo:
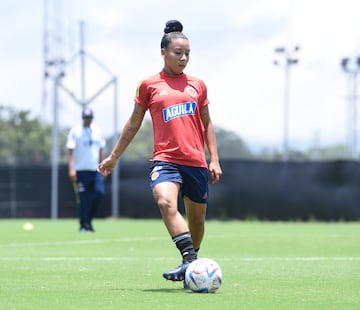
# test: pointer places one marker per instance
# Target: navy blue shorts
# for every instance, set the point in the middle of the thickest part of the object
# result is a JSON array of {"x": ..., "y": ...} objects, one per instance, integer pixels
[{"x": 193, "y": 180}]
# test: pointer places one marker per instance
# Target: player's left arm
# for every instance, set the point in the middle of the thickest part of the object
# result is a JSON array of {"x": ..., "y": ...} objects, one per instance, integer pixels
[{"x": 210, "y": 140}]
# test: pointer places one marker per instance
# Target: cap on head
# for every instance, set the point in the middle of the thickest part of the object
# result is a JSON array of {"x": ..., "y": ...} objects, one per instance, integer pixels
[{"x": 87, "y": 113}]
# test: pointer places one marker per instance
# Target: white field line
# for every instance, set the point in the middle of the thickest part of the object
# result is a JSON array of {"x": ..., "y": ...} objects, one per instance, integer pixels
[
  {"x": 76, "y": 242},
  {"x": 249, "y": 259},
  {"x": 127, "y": 239}
]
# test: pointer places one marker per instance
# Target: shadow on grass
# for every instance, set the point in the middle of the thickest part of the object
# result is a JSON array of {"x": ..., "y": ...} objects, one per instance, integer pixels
[{"x": 167, "y": 290}]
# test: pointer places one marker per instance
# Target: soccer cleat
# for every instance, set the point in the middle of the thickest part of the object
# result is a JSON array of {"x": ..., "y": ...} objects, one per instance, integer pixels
[{"x": 177, "y": 274}]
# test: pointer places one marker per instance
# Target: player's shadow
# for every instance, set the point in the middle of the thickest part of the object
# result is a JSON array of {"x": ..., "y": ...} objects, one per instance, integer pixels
[{"x": 166, "y": 290}]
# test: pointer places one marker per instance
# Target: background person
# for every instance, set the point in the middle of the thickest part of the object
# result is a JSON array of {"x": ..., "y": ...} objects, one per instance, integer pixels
[
  {"x": 85, "y": 145},
  {"x": 178, "y": 105}
]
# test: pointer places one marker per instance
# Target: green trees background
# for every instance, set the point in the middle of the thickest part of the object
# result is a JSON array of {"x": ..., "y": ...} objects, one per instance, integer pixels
[{"x": 26, "y": 140}]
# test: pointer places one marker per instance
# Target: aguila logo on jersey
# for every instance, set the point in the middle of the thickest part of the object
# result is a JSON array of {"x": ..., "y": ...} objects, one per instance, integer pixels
[{"x": 178, "y": 110}]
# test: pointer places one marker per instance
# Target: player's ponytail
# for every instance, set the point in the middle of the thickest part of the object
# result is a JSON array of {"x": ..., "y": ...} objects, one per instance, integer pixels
[
  {"x": 173, "y": 29},
  {"x": 173, "y": 26}
]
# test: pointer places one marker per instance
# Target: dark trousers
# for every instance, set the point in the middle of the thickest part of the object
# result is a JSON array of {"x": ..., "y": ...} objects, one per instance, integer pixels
[{"x": 91, "y": 190}]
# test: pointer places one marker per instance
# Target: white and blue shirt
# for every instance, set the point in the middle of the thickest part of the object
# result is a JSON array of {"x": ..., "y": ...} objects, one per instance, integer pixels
[{"x": 86, "y": 143}]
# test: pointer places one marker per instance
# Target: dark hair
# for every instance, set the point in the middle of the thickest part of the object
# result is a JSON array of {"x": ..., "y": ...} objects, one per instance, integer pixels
[{"x": 173, "y": 30}]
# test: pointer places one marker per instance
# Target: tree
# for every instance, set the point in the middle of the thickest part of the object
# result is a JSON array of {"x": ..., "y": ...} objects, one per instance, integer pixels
[
  {"x": 142, "y": 145},
  {"x": 25, "y": 140},
  {"x": 230, "y": 145}
]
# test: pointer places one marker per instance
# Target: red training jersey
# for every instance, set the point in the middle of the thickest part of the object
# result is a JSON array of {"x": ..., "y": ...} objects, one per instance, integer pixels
[{"x": 175, "y": 104}]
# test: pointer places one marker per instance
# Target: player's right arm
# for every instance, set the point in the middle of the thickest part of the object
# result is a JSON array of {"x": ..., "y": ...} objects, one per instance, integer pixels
[{"x": 127, "y": 135}]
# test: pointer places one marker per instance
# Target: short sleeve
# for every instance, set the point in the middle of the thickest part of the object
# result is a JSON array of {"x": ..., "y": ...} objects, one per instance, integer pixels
[
  {"x": 142, "y": 97},
  {"x": 71, "y": 143},
  {"x": 203, "y": 99}
]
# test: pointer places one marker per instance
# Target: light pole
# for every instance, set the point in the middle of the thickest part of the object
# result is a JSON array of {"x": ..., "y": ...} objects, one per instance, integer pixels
[
  {"x": 83, "y": 102},
  {"x": 288, "y": 59},
  {"x": 352, "y": 68}
]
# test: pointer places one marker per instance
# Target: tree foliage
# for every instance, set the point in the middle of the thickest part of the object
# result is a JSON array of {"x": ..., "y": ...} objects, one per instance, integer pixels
[
  {"x": 230, "y": 145},
  {"x": 142, "y": 145},
  {"x": 24, "y": 140}
]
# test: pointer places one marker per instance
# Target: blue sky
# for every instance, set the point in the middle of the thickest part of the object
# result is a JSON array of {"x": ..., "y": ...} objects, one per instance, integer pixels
[{"x": 232, "y": 49}]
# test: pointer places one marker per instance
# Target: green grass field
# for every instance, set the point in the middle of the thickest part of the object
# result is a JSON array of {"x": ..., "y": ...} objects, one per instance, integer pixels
[{"x": 265, "y": 266}]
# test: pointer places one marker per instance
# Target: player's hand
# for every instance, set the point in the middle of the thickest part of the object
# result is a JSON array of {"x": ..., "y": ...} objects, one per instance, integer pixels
[
  {"x": 215, "y": 171},
  {"x": 107, "y": 166}
]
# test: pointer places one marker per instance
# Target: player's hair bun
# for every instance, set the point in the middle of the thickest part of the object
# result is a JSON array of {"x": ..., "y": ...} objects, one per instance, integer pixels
[{"x": 173, "y": 26}]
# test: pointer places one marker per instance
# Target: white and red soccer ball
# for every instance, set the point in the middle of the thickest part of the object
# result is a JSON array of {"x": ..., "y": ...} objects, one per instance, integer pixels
[{"x": 203, "y": 275}]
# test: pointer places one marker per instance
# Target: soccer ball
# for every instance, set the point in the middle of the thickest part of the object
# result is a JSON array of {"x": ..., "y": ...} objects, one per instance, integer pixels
[{"x": 203, "y": 275}]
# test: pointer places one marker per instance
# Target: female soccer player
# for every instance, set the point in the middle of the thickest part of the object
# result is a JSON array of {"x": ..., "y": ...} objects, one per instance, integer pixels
[{"x": 178, "y": 105}]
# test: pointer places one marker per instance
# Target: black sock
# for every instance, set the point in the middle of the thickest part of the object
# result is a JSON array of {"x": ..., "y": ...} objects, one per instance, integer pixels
[{"x": 184, "y": 244}]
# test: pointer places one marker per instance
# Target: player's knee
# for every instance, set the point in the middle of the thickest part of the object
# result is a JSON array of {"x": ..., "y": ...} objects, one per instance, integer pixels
[{"x": 167, "y": 207}]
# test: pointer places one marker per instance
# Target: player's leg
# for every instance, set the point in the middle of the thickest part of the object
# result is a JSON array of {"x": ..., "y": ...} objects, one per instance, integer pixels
[
  {"x": 195, "y": 213},
  {"x": 85, "y": 199},
  {"x": 165, "y": 183},
  {"x": 166, "y": 197},
  {"x": 195, "y": 195}
]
